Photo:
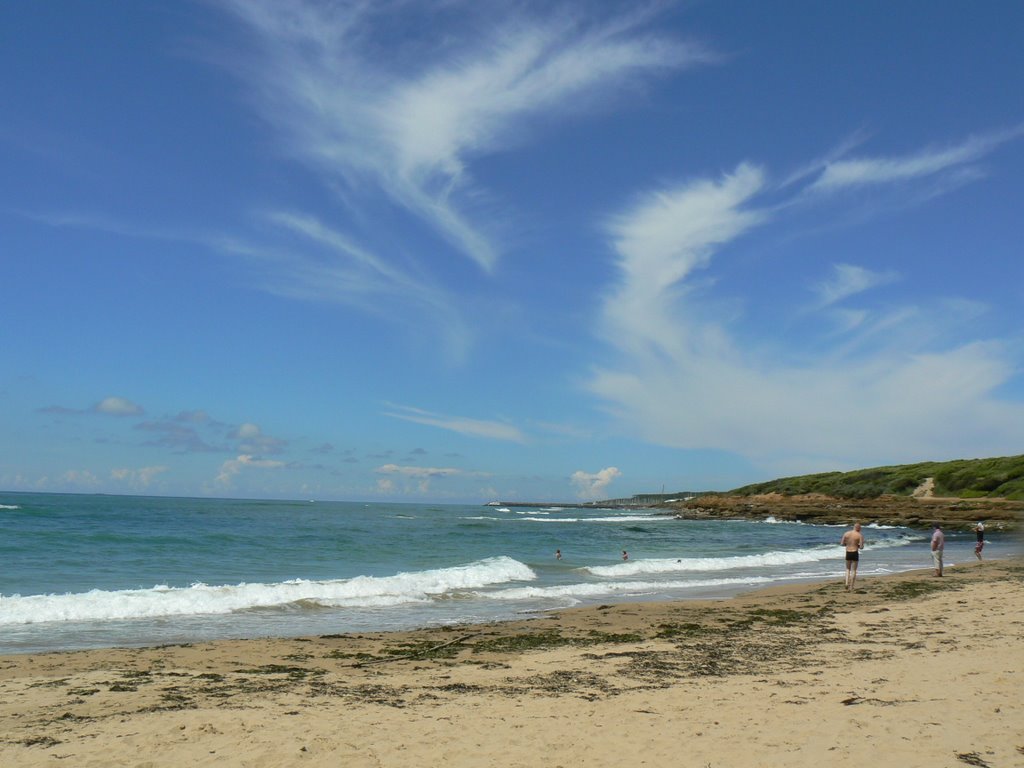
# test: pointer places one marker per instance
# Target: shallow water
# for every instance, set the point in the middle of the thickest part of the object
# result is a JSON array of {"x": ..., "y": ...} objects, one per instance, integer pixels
[{"x": 99, "y": 571}]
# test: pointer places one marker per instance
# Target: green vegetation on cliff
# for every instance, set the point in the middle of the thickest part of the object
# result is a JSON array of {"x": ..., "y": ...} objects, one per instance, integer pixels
[{"x": 963, "y": 478}]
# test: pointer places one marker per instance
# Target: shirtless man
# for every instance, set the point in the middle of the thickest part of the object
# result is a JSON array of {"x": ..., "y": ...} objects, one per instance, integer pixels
[{"x": 854, "y": 543}]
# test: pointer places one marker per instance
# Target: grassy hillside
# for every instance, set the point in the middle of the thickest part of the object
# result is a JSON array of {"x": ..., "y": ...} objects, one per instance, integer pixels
[{"x": 963, "y": 478}]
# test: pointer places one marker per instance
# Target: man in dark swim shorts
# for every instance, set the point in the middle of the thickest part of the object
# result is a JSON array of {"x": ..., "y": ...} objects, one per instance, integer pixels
[{"x": 854, "y": 543}]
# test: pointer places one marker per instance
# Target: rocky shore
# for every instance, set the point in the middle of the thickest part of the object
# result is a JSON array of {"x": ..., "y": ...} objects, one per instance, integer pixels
[{"x": 954, "y": 514}]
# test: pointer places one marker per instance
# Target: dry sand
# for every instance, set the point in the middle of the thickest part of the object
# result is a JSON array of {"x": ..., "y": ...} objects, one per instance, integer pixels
[{"x": 908, "y": 670}]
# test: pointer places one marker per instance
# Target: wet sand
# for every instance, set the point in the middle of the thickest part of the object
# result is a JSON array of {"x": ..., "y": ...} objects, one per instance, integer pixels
[{"x": 908, "y": 670}]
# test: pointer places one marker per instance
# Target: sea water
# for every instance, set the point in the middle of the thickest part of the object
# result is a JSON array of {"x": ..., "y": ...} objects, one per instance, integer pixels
[{"x": 99, "y": 571}]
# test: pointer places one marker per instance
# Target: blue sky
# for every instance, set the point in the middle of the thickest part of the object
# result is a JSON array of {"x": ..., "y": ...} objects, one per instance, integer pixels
[{"x": 463, "y": 251}]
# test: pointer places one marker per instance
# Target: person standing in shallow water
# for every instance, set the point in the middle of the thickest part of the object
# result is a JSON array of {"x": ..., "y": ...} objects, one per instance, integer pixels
[
  {"x": 979, "y": 531},
  {"x": 853, "y": 541},
  {"x": 938, "y": 544}
]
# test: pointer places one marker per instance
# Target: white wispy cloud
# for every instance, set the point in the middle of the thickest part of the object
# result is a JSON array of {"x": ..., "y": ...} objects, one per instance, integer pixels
[
  {"x": 659, "y": 242},
  {"x": 410, "y": 122},
  {"x": 594, "y": 485},
  {"x": 495, "y": 430},
  {"x": 843, "y": 173},
  {"x": 848, "y": 280},
  {"x": 330, "y": 266},
  {"x": 311, "y": 261},
  {"x": 896, "y": 387}
]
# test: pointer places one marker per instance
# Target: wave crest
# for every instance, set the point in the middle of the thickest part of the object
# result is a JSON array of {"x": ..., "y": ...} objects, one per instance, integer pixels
[{"x": 203, "y": 599}]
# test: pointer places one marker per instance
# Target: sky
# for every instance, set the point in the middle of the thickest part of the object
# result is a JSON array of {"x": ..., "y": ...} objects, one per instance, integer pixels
[{"x": 469, "y": 251}]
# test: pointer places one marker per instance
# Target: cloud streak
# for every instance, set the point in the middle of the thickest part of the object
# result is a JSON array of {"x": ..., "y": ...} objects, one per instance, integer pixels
[
  {"x": 410, "y": 122},
  {"x": 681, "y": 379},
  {"x": 493, "y": 430},
  {"x": 842, "y": 174},
  {"x": 848, "y": 280}
]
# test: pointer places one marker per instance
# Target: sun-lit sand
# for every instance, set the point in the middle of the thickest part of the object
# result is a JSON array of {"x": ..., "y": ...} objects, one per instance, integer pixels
[{"x": 909, "y": 670}]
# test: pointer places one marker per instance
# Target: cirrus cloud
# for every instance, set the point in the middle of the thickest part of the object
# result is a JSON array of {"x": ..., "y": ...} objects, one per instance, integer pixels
[{"x": 894, "y": 386}]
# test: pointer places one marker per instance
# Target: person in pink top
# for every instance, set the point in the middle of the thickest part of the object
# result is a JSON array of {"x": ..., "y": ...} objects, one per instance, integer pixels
[{"x": 938, "y": 544}]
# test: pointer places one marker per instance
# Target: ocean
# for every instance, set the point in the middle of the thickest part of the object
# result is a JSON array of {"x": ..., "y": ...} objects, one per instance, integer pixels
[{"x": 89, "y": 571}]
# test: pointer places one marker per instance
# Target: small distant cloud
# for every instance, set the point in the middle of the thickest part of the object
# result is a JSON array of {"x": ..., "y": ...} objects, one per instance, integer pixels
[
  {"x": 198, "y": 417},
  {"x": 323, "y": 449},
  {"x": 117, "y": 406},
  {"x": 60, "y": 410},
  {"x": 176, "y": 436},
  {"x": 252, "y": 440},
  {"x": 230, "y": 468},
  {"x": 420, "y": 475},
  {"x": 109, "y": 406},
  {"x": 594, "y": 486},
  {"x": 139, "y": 479},
  {"x": 80, "y": 478},
  {"x": 395, "y": 469}
]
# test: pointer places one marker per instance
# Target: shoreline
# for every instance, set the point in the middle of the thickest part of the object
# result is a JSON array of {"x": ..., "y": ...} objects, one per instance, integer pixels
[{"x": 915, "y": 668}]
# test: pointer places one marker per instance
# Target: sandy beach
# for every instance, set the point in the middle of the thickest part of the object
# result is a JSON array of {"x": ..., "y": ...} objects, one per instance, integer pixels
[{"x": 908, "y": 670}]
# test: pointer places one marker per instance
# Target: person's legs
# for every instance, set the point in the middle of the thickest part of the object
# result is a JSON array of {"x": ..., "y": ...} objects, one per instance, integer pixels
[
  {"x": 937, "y": 561},
  {"x": 853, "y": 573}
]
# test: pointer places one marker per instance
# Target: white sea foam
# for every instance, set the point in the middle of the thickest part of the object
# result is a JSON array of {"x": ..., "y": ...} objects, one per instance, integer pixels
[
  {"x": 770, "y": 520},
  {"x": 620, "y": 519},
  {"x": 9, "y": 506},
  {"x": 591, "y": 590},
  {"x": 700, "y": 564},
  {"x": 203, "y": 599}
]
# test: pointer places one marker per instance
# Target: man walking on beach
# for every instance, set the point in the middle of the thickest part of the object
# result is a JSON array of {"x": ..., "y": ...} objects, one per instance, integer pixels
[
  {"x": 979, "y": 531},
  {"x": 854, "y": 543},
  {"x": 938, "y": 544}
]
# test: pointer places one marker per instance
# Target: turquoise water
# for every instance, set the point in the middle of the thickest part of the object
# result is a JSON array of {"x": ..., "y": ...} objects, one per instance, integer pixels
[{"x": 99, "y": 571}]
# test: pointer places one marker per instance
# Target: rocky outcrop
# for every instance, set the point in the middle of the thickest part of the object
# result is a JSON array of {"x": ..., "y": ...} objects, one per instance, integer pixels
[{"x": 913, "y": 512}]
